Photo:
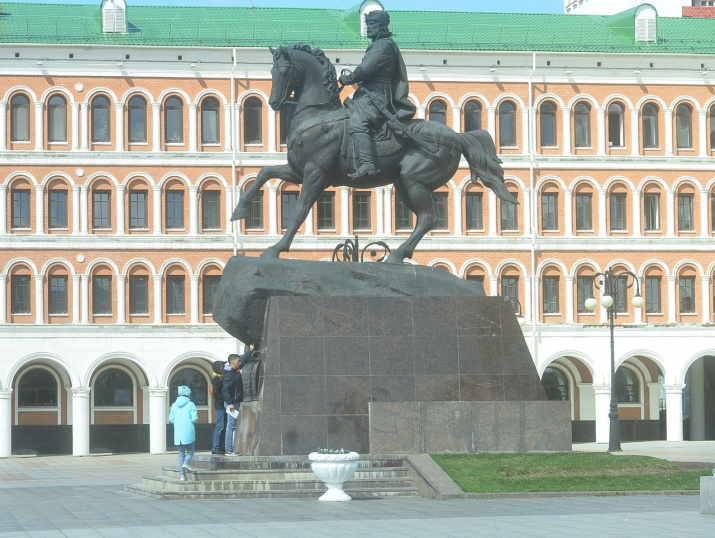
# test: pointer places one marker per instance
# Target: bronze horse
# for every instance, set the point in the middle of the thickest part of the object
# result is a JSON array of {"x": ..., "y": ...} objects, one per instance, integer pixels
[{"x": 317, "y": 149}]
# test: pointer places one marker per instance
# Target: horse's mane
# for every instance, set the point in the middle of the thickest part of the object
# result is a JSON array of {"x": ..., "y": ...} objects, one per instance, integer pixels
[{"x": 330, "y": 79}]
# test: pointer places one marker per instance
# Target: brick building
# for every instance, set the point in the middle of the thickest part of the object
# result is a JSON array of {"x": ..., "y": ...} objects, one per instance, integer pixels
[{"x": 130, "y": 133}]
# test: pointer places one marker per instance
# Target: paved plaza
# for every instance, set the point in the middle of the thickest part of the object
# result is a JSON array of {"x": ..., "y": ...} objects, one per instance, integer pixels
[{"x": 69, "y": 496}]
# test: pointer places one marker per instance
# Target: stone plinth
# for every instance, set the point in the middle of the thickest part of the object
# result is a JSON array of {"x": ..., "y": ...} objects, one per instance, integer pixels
[{"x": 707, "y": 495}]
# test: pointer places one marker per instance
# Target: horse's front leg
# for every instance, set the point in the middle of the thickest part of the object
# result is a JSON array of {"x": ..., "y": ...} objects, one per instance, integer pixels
[
  {"x": 418, "y": 198},
  {"x": 314, "y": 183},
  {"x": 282, "y": 171}
]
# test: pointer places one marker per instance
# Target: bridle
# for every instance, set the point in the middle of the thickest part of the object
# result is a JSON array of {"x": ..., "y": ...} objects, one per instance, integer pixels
[{"x": 285, "y": 99}]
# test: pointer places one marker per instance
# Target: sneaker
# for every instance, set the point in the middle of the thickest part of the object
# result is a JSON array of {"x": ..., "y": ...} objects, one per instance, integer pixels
[
  {"x": 233, "y": 453},
  {"x": 218, "y": 452},
  {"x": 186, "y": 467},
  {"x": 182, "y": 478}
]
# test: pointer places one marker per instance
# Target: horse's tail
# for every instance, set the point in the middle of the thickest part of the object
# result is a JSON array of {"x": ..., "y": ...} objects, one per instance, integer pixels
[{"x": 478, "y": 148}]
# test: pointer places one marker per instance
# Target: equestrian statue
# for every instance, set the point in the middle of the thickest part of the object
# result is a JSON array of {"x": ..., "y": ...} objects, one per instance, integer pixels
[{"x": 370, "y": 141}]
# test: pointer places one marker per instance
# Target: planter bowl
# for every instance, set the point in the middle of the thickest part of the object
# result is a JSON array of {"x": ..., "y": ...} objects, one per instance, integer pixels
[{"x": 333, "y": 470}]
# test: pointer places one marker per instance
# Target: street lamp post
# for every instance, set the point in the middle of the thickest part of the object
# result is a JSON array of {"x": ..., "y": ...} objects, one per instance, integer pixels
[{"x": 606, "y": 283}]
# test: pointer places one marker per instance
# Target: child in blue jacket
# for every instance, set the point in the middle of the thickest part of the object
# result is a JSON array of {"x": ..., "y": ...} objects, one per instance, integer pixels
[{"x": 183, "y": 415}]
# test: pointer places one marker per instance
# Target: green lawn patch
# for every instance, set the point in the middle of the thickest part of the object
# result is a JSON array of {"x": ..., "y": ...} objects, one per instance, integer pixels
[{"x": 569, "y": 471}]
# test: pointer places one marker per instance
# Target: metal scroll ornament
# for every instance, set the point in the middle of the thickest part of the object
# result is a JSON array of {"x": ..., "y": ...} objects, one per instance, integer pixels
[{"x": 349, "y": 251}]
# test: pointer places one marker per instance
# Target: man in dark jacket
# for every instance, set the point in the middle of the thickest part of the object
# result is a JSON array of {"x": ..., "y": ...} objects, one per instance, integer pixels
[
  {"x": 232, "y": 396},
  {"x": 219, "y": 441}
]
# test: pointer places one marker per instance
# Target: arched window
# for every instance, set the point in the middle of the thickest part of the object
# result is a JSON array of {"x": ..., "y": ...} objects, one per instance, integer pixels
[
  {"x": 555, "y": 384},
  {"x": 100, "y": 119},
  {"x": 137, "y": 120},
  {"x": 684, "y": 125},
  {"x": 57, "y": 119},
  {"x": 252, "y": 121},
  {"x": 174, "y": 121},
  {"x": 472, "y": 116},
  {"x": 209, "y": 121},
  {"x": 615, "y": 126},
  {"x": 113, "y": 388},
  {"x": 193, "y": 379},
  {"x": 650, "y": 126},
  {"x": 507, "y": 124},
  {"x": 548, "y": 124},
  {"x": 37, "y": 388},
  {"x": 627, "y": 390},
  {"x": 20, "y": 119},
  {"x": 582, "y": 125},
  {"x": 438, "y": 112}
]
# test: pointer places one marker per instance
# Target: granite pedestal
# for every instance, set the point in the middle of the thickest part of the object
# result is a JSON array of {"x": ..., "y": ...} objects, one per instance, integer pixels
[{"x": 336, "y": 369}]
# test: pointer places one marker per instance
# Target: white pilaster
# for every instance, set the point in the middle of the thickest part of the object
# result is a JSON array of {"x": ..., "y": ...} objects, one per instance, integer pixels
[
  {"x": 674, "y": 412},
  {"x": 157, "y": 299},
  {"x": 566, "y": 133},
  {"x": 494, "y": 286},
  {"x": 227, "y": 127},
  {"x": 387, "y": 216},
  {"x": 602, "y": 228},
  {"x": 380, "y": 210},
  {"x": 602, "y": 396},
  {"x": 568, "y": 212},
  {"x": 421, "y": 112},
  {"x": 119, "y": 127},
  {"x": 526, "y": 139},
  {"x": 156, "y": 208},
  {"x": 308, "y": 226},
  {"x": 702, "y": 133},
  {"x": 39, "y": 300},
  {"x": 80, "y": 421},
  {"x": 119, "y": 205},
  {"x": 668, "y": 118},
  {"x": 492, "y": 121},
  {"x": 5, "y": 422},
  {"x": 83, "y": 212},
  {"x": 194, "y": 294},
  {"x": 84, "y": 319},
  {"x": 669, "y": 213},
  {"x": 156, "y": 126},
  {"x": 3, "y": 121},
  {"x": 272, "y": 210},
  {"x": 457, "y": 199},
  {"x": 76, "y": 294},
  {"x": 492, "y": 203},
  {"x": 672, "y": 298},
  {"x": 3, "y": 207},
  {"x": 601, "y": 131},
  {"x": 121, "y": 299},
  {"x": 229, "y": 208},
  {"x": 704, "y": 226},
  {"x": 271, "y": 130},
  {"x": 75, "y": 209},
  {"x": 3, "y": 299},
  {"x": 39, "y": 126},
  {"x": 40, "y": 209},
  {"x": 157, "y": 422},
  {"x": 569, "y": 299},
  {"x": 705, "y": 297},
  {"x": 193, "y": 132},
  {"x": 636, "y": 211},
  {"x": 193, "y": 210},
  {"x": 76, "y": 109},
  {"x": 635, "y": 146},
  {"x": 456, "y": 119},
  {"x": 344, "y": 210}
]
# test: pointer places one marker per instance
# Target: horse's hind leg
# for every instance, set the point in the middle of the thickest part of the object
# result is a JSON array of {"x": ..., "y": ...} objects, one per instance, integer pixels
[
  {"x": 267, "y": 172},
  {"x": 418, "y": 198}
]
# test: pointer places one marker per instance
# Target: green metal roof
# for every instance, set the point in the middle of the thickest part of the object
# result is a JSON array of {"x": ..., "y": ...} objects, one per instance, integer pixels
[{"x": 329, "y": 28}]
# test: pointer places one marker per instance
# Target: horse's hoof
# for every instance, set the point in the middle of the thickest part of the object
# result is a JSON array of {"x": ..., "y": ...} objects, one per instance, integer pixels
[{"x": 239, "y": 213}]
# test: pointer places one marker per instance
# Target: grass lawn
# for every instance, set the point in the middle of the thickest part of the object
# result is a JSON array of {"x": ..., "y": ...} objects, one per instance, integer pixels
[{"x": 569, "y": 471}]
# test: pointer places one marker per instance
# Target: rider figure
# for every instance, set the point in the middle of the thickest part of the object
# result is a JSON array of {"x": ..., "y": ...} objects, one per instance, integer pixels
[{"x": 381, "y": 76}]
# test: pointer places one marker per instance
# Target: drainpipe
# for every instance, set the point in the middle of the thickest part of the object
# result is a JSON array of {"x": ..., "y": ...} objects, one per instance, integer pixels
[
  {"x": 234, "y": 225},
  {"x": 532, "y": 216}
]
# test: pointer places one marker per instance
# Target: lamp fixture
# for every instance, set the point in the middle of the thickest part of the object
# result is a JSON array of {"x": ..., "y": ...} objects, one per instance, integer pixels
[
  {"x": 568, "y": 71},
  {"x": 120, "y": 64},
  {"x": 192, "y": 65},
  {"x": 39, "y": 62},
  {"x": 636, "y": 71},
  {"x": 492, "y": 68},
  {"x": 422, "y": 67}
]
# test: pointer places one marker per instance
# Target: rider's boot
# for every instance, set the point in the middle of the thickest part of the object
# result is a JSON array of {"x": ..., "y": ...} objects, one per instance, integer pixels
[{"x": 363, "y": 148}]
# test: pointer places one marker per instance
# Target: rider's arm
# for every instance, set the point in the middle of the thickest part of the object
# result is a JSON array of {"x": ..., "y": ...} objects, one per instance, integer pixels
[{"x": 377, "y": 56}]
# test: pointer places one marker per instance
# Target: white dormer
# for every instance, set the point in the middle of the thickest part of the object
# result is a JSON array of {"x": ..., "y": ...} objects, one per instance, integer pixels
[
  {"x": 366, "y": 8},
  {"x": 646, "y": 17},
  {"x": 114, "y": 16}
]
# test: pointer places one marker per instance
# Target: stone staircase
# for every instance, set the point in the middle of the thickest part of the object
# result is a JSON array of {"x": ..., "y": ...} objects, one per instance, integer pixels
[{"x": 250, "y": 477}]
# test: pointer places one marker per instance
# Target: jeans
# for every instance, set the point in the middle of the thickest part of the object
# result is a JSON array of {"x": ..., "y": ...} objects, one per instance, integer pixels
[
  {"x": 186, "y": 452},
  {"x": 219, "y": 443},
  {"x": 230, "y": 427}
]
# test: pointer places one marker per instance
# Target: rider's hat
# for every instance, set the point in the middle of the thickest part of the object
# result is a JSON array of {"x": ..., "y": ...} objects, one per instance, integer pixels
[{"x": 378, "y": 16}]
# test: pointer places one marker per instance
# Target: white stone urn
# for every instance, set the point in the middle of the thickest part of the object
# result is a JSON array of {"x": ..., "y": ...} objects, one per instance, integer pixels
[{"x": 334, "y": 469}]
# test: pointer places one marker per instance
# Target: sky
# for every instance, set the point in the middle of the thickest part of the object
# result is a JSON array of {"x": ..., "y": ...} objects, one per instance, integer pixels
[{"x": 498, "y": 6}]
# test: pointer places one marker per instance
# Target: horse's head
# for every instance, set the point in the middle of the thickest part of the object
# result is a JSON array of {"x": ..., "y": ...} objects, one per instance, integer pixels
[{"x": 283, "y": 79}]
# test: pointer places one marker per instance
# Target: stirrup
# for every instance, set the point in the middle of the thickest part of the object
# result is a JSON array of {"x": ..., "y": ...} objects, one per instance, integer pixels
[{"x": 370, "y": 172}]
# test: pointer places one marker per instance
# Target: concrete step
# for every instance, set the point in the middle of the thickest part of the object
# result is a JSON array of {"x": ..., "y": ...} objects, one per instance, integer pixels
[{"x": 279, "y": 474}]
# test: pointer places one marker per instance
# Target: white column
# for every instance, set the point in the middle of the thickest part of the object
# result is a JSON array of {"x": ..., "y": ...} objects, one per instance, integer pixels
[
  {"x": 602, "y": 228},
  {"x": 636, "y": 210},
  {"x": 674, "y": 412},
  {"x": 39, "y": 126},
  {"x": 121, "y": 224},
  {"x": 566, "y": 134},
  {"x": 84, "y": 214},
  {"x": 601, "y": 131},
  {"x": 668, "y": 113},
  {"x": 227, "y": 127},
  {"x": 3, "y": 299},
  {"x": 272, "y": 209},
  {"x": 704, "y": 226},
  {"x": 76, "y": 294},
  {"x": 80, "y": 421},
  {"x": 526, "y": 207},
  {"x": 193, "y": 132},
  {"x": 421, "y": 112},
  {"x": 697, "y": 400},
  {"x": 39, "y": 300},
  {"x": 121, "y": 299},
  {"x": 492, "y": 123},
  {"x": 156, "y": 126},
  {"x": 669, "y": 213},
  {"x": 229, "y": 208},
  {"x": 158, "y": 420},
  {"x": 456, "y": 119},
  {"x": 654, "y": 403},
  {"x": 569, "y": 298},
  {"x": 156, "y": 209},
  {"x": 457, "y": 230},
  {"x": 39, "y": 209},
  {"x": 672, "y": 298},
  {"x": 387, "y": 216},
  {"x": 271, "y": 130},
  {"x": 635, "y": 146},
  {"x": 76, "y": 109},
  {"x": 3, "y": 132},
  {"x": 705, "y": 297},
  {"x": 602, "y": 395},
  {"x": 84, "y": 318},
  {"x": 194, "y": 294},
  {"x": 344, "y": 210},
  {"x": 118, "y": 126},
  {"x": 5, "y": 422},
  {"x": 702, "y": 132},
  {"x": 193, "y": 210},
  {"x": 157, "y": 299},
  {"x": 3, "y": 207},
  {"x": 526, "y": 312},
  {"x": 236, "y": 134},
  {"x": 494, "y": 286},
  {"x": 75, "y": 209},
  {"x": 309, "y": 228},
  {"x": 492, "y": 202},
  {"x": 526, "y": 139},
  {"x": 568, "y": 212},
  {"x": 380, "y": 210}
]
